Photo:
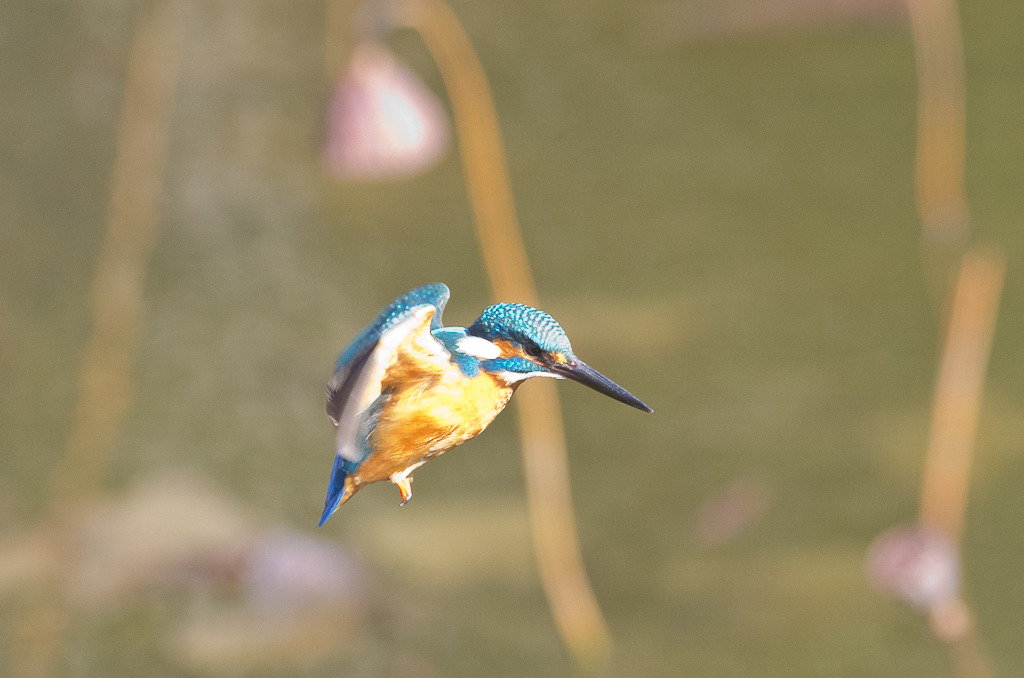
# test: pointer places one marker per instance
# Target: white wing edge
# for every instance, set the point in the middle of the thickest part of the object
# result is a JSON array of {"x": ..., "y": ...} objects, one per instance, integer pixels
[{"x": 368, "y": 382}]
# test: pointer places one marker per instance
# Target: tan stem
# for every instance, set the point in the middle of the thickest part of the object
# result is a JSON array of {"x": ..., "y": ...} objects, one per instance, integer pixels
[
  {"x": 938, "y": 49},
  {"x": 958, "y": 390},
  {"x": 105, "y": 385},
  {"x": 574, "y": 607}
]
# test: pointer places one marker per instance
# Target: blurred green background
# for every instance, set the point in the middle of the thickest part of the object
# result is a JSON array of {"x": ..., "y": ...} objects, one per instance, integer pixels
[{"x": 719, "y": 212}]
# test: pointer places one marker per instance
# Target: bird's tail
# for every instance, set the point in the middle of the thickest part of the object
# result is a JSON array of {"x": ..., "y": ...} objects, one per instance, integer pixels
[{"x": 338, "y": 490}]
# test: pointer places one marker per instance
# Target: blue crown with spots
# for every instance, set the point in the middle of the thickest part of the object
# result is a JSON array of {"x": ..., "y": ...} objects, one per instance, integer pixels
[{"x": 522, "y": 324}]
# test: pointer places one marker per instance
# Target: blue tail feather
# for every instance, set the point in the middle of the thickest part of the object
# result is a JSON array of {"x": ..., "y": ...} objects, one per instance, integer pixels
[{"x": 336, "y": 488}]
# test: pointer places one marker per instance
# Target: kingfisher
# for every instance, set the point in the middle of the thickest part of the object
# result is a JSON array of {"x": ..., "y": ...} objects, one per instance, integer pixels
[{"x": 407, "y": 389}]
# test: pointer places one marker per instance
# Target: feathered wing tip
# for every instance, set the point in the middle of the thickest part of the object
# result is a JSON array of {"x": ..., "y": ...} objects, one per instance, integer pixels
[
  {"x": 337, "y": 490},
  {"x": 356, "y": 383},
  {"x": 354, "y": 356},
  {"x": 435, "y": 294}
]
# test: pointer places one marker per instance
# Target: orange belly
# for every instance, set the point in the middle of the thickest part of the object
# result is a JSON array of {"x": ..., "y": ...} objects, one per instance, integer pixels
[{"x": 427, "y": 414}]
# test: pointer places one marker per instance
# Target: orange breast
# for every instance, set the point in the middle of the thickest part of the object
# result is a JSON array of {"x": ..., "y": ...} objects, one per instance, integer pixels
[{"x": 432, "y": 408}]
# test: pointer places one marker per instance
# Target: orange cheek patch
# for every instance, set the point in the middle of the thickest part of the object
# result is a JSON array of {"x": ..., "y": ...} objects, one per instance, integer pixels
[{"x": 508, "y": 349}]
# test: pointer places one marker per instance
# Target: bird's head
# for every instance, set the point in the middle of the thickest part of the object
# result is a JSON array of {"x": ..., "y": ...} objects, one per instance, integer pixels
[{"x": 516, "y": 342}]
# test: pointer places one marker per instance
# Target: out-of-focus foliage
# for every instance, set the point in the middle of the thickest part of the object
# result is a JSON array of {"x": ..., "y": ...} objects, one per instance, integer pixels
[{"x": 723, "y": 219}]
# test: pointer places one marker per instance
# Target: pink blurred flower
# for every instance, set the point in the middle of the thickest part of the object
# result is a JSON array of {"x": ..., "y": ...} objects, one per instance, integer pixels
[
  {"x": 917, "y": 564},
  {"x": 289, "y": 570},
  {"x": 724, "y": 516},
  {"x": 383, "y": 121}
]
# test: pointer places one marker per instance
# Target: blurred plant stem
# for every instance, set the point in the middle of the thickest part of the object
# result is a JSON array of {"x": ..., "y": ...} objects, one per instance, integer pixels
[
  {"x": 971, "y": 302},
  {"x": 483, "y": 155},
  {"x": 556, "y": 543},
  {"x": 958, "y": 391},
  {"x": 941, "y": 123},
  {"x": 105, "y": 387},
  {"x": 972, "y": 306},
  {"x": 553, "y": 525}
]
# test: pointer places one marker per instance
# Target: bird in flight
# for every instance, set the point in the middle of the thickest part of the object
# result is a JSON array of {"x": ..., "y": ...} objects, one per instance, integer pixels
[{"x": 407, "y": 389}]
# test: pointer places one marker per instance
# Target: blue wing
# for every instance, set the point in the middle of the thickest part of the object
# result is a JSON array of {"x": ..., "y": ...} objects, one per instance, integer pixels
[
  {"x": 353, "y": 357},
  {"x": 356, "y": 385}
]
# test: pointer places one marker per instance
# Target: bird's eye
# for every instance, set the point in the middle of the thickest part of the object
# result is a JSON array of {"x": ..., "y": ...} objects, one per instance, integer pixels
[{"x": 533, "y": 350}]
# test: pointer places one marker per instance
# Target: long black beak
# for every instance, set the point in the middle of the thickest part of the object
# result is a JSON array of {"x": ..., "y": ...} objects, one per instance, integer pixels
[{"x": 577, "y": 370}]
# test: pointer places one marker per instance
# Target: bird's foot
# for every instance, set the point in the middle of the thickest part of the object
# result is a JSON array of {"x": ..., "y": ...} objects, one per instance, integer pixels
[{"x": 404, "y": 483}]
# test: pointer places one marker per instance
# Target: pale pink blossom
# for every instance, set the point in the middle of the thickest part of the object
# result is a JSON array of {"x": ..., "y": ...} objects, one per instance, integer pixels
[
  {"x": 917, "y": 564},
  {"x": 383, "y": 121}
]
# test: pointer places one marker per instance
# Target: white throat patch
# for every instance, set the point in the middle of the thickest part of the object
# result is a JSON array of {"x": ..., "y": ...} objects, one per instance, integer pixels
[{"x": 513, "y": 377}]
